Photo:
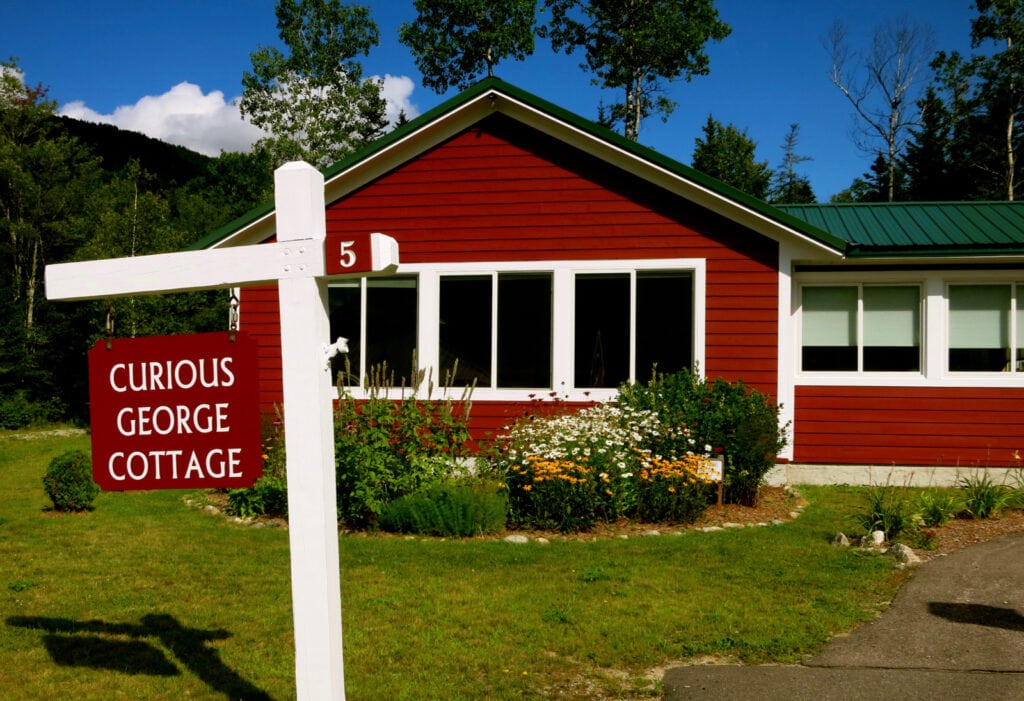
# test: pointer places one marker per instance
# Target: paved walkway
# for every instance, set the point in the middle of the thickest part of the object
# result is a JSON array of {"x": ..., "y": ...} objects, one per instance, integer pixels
[{"x": 954, "y": 631}]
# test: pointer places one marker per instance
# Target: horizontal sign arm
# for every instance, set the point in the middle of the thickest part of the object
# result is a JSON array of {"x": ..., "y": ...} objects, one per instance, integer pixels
[{"x": 185, "y": 270}]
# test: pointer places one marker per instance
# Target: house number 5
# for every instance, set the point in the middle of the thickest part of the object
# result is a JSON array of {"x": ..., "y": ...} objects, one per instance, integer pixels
[{"x": 348, "y": 256}]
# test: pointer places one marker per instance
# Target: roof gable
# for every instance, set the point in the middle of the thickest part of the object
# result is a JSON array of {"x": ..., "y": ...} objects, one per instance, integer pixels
[{"x": 493, "y": 95}]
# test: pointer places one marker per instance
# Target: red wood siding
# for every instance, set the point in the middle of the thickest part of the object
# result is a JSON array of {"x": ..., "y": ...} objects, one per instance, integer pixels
[
  {"x": 260, "y": 317},
  {"x": 909, "y": 426},
  {"x": 503, "y": 192}
]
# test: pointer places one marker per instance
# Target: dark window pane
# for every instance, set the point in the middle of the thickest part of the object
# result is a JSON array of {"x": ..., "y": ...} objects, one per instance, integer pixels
[
  {"x": 892, "y": 358},
  {"x": 343, "y": 310},
  {"x": 391, "y": 329},
  {"x": 465, "y": 333},
  {"x": 664, "y": 323},
  {"x": 602, "y": 330},
  {"x": 524, "y": 330},
  {"x": 816, "y": 358}
]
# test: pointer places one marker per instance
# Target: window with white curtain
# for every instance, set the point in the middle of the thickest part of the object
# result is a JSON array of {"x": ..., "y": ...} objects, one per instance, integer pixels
[
  {"x": 979, "y": 328},
  {"x": 861, "y": 328}
]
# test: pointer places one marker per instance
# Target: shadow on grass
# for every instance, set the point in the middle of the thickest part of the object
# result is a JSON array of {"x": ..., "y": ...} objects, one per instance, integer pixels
[
  {"x": 97, "y": 644},
  {"x": 978, "y": 614}
]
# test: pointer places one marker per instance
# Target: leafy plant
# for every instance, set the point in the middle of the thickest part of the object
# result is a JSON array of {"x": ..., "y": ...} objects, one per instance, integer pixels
[
  {"x": 269, "y": 495},
  {"x": 936, "y": 507},
  {"x": 984, "y": 498},
  {"x": 386, "y": 448},
  {"x": 454, "y": 508},
  {"x": 887, "y": 510},
  {"x": 732, "y": 420},
  {"x": 68, "y": 481}
]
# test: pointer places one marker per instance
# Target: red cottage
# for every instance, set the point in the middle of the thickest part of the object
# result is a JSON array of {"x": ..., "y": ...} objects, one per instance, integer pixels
[{"x": 548, "y": 255}]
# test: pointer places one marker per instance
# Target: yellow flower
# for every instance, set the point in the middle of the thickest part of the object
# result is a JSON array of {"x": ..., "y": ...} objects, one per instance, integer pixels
[{"x": 527, "y": 487}]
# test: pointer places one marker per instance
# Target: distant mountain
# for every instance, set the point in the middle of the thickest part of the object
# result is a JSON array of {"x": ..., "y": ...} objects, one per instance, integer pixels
[{"x": 169, "y": 163}]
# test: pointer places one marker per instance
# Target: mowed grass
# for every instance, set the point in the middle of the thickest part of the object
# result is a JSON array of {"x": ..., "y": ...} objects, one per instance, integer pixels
[{"x": 146, "y": 597}]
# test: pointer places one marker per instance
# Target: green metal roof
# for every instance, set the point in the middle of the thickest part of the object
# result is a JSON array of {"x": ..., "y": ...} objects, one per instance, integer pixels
[{"x": 900, "y": 229}]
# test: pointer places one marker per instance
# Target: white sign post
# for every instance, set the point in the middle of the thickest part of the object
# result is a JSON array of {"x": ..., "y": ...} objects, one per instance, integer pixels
[{"x": 296, "y": 262}]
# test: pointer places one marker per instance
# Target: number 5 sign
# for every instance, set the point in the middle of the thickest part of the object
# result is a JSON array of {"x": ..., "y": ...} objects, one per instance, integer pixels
[{"x": 358, "y": 253}]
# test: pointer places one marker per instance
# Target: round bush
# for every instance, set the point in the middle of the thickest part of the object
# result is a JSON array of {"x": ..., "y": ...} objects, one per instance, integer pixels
[{"x": 68, "y": 481}]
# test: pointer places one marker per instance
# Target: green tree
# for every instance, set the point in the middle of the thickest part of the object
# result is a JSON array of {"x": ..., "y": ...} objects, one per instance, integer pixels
[
  {"x": 726, "y": 153},
  {"x": 1002, "y": 74},
  {"x": 927, "y": 159},
  {"x": 314, "y": 101},
  {"x": 455, "y": 41},
  {"x": 635, "y": 46},
  {"x": 788, "y": 186}
]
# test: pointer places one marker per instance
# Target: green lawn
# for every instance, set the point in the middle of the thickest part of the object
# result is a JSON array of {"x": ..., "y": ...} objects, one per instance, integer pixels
[{"x": 146, "y": 597}]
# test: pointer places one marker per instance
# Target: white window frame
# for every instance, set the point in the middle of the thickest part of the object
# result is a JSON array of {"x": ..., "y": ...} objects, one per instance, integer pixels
[
  {"x": 934, "y": 328},
  {"x": 563, "y": 299},
  {"x": 859, "y": 328}
]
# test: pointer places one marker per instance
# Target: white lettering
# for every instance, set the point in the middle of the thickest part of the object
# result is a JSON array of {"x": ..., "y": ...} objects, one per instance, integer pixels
[{"x": 113, "y": 383}]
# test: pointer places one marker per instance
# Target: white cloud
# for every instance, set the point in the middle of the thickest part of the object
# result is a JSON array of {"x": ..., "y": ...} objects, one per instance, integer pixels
[
  {"x": 397, "y": 89},
  {"x": 208, "y": 123},
  {"x": 183, "y": 115}
]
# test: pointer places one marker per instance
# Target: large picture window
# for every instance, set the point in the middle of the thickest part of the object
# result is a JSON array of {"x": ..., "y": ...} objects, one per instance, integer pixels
[
  {"x": 869, "y": 328},
  {"x": 513, "y": 330}
]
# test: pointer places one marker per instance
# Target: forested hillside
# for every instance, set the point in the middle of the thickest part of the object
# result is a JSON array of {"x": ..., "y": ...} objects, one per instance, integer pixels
[{"x": 71, "y": 190}]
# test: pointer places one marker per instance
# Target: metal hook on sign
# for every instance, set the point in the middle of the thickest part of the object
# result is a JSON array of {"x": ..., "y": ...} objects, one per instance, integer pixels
[
  {"x": 110, "y": 325},
  {"x": 233, "y": 305}
]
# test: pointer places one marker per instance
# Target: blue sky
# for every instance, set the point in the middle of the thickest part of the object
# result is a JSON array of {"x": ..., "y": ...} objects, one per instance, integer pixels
[{"x": 172, "y": 69}]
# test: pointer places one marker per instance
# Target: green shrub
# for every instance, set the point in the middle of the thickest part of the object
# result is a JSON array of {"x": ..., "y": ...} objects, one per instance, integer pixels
[
  {"x": 18, "y": 410},
  {"x": 268, "y": 495},
  {"x": 732, "y": 420},
  {"x": 983, "y": 498},
  {"x": 385, "y": 448},
  {"x": 454, "y": 508},
  {"x": 68, "y": 481}
]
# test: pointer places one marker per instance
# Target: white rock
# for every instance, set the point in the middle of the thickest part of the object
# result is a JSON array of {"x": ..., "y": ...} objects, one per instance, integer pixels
[
  {"x": 840, "y": 539},
  {"x": 877, "y": 537},
  {"x": 651, "y": 533},
  {"x": 712, "y": 529},
  {"x": 516, "y": 538},
  {"x": 730, "y": 524},
  {"x": 542, "y": 541}
]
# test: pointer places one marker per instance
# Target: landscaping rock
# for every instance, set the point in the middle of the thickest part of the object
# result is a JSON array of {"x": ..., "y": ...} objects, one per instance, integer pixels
[
  {"x": 542, "y": 541},
  {"x": 877, "y": 538},
  {"x": 711, "y": 529},
  {"x": 651, "y": 533},
  {"x": 729, "y": 524},
  {"x": 904, "y": 554},
  {"x": 841, "y": 540},
  {"x": 516, "y": 538}
]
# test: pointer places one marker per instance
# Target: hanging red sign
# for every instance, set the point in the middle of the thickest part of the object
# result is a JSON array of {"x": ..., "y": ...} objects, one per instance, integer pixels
[{"x": 175, "y": 412}]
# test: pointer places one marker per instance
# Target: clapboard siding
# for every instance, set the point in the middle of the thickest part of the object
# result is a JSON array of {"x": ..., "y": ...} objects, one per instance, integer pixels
[
  {"x": 909, "y": 426},
  {"x": 503, "y": 192},
  {"x": 260, "y": 316}
]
